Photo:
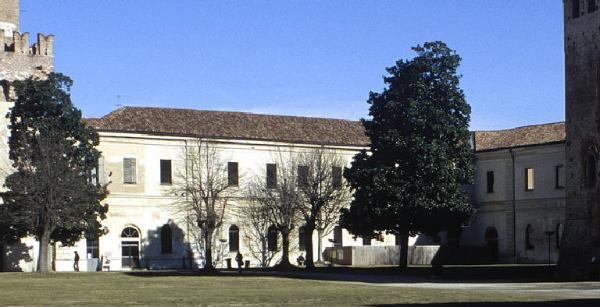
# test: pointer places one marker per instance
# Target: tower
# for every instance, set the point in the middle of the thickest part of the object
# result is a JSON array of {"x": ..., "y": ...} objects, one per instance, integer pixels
[
  {"x": 18, "y": 60},
  {"x": 581, "y": 238}
]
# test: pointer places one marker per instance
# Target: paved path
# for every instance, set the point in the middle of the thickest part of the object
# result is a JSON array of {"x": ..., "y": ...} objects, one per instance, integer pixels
[{"x": 566, "y": 290}]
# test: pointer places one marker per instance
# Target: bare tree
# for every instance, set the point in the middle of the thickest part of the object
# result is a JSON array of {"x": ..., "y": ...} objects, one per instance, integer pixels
[
  {"x": 322, "y": 192},
  {"x": 255, "y": 218},
  {"x": 203, "y": 188},
  {"x": 279, "y": 197}
]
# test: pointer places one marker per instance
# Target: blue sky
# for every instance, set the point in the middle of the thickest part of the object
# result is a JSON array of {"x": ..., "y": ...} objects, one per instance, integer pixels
[{"x": 311, "y": 58}]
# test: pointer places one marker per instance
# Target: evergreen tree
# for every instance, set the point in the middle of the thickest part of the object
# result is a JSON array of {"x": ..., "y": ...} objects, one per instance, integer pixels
[
  {"x": 411, "y": 179},
  {"x": 53, "y": 194}
]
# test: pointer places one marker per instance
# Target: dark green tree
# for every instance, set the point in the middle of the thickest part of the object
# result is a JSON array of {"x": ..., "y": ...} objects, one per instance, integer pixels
[
  {"x": 54, "y": 194},
  {"x": 411, "y": 179}
]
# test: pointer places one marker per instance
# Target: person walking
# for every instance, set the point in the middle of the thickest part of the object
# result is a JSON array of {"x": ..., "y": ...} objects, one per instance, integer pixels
[
  {"x": 76, "y": 262},
  {"x": 240, "y": 261}
]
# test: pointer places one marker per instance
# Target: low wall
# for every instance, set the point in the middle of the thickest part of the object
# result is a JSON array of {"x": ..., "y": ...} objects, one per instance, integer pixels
[{"x": 417, "y": 255}]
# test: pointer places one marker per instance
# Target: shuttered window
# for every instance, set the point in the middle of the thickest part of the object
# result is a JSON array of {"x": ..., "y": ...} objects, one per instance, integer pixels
[
  {"x": 336, "y": 177},
  {"x": 302, "y": 176},
  {"x": 165, "y": 172},
  {"x": 271, "y": 176},
  {"x": 232, "y": 174},
  {"x": 129, "y": 175}
]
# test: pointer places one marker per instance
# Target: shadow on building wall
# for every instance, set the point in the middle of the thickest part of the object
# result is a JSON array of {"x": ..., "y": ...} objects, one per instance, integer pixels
[
  {"x": 12, "y": 254},
  {"x": 165, "y": 248}
]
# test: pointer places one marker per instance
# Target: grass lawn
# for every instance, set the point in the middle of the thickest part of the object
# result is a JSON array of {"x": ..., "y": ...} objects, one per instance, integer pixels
[{"x": 182, "y": 289}]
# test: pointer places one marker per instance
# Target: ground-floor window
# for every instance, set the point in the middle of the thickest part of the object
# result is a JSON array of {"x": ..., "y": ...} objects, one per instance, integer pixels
[{"x": 130, "y": 248}]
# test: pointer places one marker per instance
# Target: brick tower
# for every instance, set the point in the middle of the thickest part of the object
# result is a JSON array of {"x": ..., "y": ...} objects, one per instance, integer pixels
[
  {"x": 581, "y": 237},
  {"x": 18, "y": 60}
]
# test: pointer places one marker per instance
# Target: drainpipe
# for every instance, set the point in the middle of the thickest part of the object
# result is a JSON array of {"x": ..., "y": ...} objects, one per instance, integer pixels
[{"x": 514, "y": 205}]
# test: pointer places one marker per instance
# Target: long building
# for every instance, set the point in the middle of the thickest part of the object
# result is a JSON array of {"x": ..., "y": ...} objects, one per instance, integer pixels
[{"x": 518, "y": 192}]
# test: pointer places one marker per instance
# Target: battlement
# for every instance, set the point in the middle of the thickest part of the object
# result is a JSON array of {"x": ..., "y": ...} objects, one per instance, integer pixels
[{"x": 19, "y": 43}]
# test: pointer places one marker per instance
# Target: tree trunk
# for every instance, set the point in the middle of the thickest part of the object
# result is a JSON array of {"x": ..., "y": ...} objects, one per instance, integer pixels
[
  {"x": 310, "y": 264},
  {"x": 208, "y": 234},
  {"x": 403, "y": 249},
  {"x": 54, "y": 256},
  {"x": 44, "y": 244},
  {"x": 319, "y": 244},
  {"x": 285, "y": 249},
  {"x": 264, "y": 253}
]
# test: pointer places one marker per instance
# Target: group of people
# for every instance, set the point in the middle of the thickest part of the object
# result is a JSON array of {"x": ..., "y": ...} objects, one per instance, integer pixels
[{"x": 239, "y": 258}]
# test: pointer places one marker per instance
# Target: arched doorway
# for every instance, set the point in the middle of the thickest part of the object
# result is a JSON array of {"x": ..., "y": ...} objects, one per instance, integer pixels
[
  {"x": 130, "y": 247},
  {"x": 491, "y": 241}
]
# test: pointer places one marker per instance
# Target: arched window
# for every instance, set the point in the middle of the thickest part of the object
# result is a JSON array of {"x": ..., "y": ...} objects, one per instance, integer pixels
[
  {"x": 559, "y": 231},
  {"x": 130, "y": 232},
  {"x": 590, "y": 170},
  {"x": 302, "y": 238},
  {"x": 166, "y": 239},
  {"x": 528, "y": 232},
  {"x": 491, "y": 241},
  {"x": 337, "y": 236},
  {"x": 234, "y": 238},
  {"x": 272, "y": 238}
]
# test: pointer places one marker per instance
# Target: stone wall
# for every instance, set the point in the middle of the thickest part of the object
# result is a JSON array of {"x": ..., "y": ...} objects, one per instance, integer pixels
[
  {"x": 9, "y": 13},
  {"x": 582, "y": 66}
]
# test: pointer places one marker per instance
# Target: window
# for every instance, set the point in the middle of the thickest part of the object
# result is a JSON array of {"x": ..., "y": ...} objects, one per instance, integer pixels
[
  {"x": 271, "y": 176},
  {"x": 129, "y": 175},
  {"x": 92, "y": 247},
  {"x": 366, "y": 240},
  {"x": 234, "y": 238},
  {"x": 166, "y": 239},
  {"x": 592, "y": 6},
  {"x": 165, "y": 172},
  {"x": 528, "y": 232},
  {"x": 302, "y": 176},
  {"x": 233, "y": 178},
  {"x": 302, "y": 238},
  {"x": 575, "y": 11},
  {"x": 130, "y": 232},
  {"x": 529, "y": 179},
  {"x": 590, "y": 170},
  {"x": 336, "y": 177},
  {"x": 490, "y": 182},
  {"x": 337, "y": 236},
  {"x": 560, "y": 177},
  {"x": 272, "y": 238}
]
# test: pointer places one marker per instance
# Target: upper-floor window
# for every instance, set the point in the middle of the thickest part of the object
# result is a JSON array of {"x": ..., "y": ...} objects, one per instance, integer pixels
[
  {"x": 490, "y": 181},
  {"x": 271, "y": 175},
  {"x": 233, "y": 178},
  {"x": 592, "y": 6},
  {"x": 336, "y": 177},
  {"x": 560, "y": 177},
  {"x": 575, "y": 10},
  {"x": 529, "y": 179},
  {"x": 129, "y": 171},
  {"x": 165, "y": 172},
  {"x": 302, "y": 176}
]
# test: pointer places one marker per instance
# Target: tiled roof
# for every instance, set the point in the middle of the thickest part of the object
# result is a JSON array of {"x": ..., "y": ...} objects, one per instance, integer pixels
[
  {"x": 309, "y": 130},
  {"x": 521, "y": 136},
  {"x": 232, "y": 125}
]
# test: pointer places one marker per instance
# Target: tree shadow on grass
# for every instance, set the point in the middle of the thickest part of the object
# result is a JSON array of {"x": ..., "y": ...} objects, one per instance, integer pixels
[{"x": 567, "y": 302}]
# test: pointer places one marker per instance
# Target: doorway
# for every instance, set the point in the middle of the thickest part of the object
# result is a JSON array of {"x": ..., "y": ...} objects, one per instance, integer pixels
[{"x": 130, "y": 248}]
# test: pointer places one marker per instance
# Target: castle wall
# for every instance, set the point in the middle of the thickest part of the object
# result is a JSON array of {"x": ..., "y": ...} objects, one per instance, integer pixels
[
  {"x": 582, "y": 77},
  {"x": 9, "y": 14}
]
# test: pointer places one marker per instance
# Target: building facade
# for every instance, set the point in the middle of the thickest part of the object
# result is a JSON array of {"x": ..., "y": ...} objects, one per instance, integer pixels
[{"x": 519, "y": 190}]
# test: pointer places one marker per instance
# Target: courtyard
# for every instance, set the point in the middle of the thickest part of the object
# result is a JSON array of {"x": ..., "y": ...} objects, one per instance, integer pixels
[{"x": 339, "y": 288}]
